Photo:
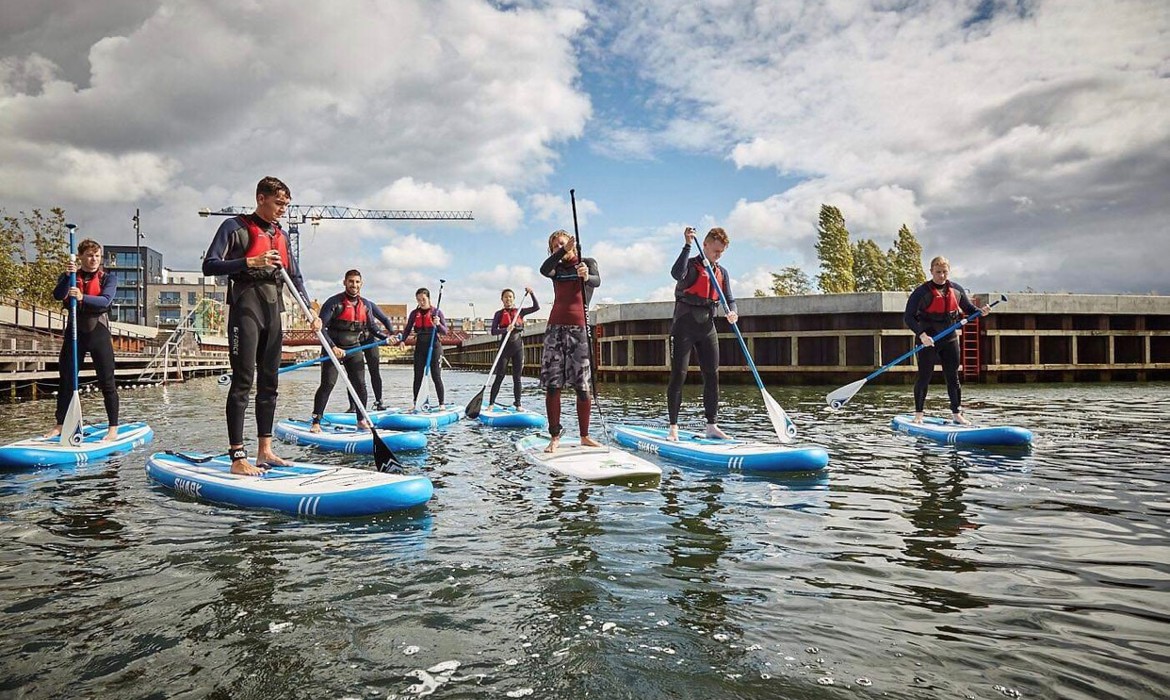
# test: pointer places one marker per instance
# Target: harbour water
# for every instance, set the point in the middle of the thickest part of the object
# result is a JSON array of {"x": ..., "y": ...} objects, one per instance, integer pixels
[{"x": 906, "y": 570}]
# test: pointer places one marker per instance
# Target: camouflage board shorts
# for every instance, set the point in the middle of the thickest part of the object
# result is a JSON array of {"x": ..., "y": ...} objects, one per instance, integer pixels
[{"x": 565, "y": 359}]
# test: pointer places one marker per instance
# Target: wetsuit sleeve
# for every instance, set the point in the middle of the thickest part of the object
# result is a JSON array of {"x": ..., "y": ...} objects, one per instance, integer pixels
[
  {"x": 965, "y": 300},
  {"x": 548, "y": 267},
  {"x": 328, "y": 311},
  {"x": 910, "y": 316},
  {"x": 727, "y": 295},
  {"x": 594, "y": 278},
  {"x": 680, "y": 267},
  {"x": 103, "y": 300},
  {"x": 409, "y": 323},
  {"x": 62, "y": 289},
  {"x": 531, "y": 309},
  {"x": 440, "y": 322},
  {"x": 213, "y": 261},
  {"x": 376, "y": 314},
  {"x": 496, "y": 330}
]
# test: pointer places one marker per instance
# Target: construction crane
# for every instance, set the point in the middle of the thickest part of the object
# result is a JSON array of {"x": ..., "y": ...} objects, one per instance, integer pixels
[{"x": 297, "y": 214}]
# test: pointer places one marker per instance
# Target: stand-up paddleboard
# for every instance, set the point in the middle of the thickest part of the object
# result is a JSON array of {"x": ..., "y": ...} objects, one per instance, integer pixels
[
  {"x": 297, "y": 489},
  {"x": 589, "y": 463},
  {"x": 345, "y": 438},
  {"x": 511, "y": 417},
  {"x": 735, "y": 455},
  {"x": 40, "y": 451},
  {"x": 395, "y": 419},
  {"x": 952, "y": 433}
]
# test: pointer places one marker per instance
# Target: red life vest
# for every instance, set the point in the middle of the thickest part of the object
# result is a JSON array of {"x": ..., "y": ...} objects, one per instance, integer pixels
[
  {"x": 702, "y": 291},
  {"x": 347, "y": 325},
  {"x": 93, "y": 286},
  {"x": 259, "y": 243},
  {"x": 509, "y": 315},
  {"x": 423, "y": 319},
  {"x": 353, "y": 312},
  {"x": 941, "y": 304}
]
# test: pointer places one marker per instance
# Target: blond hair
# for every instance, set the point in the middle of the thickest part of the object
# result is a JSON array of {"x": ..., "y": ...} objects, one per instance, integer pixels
[
  {"x": 718, "y": 234},
  {"x": 557, "y": 234},
  {"x": 940, "y": 260}
]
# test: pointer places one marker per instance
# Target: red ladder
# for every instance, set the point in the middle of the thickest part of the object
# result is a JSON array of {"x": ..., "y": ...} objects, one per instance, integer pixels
[{"x": 972, "y": 358}]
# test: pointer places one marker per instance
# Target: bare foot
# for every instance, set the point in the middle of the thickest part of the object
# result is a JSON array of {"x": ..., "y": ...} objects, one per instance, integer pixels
[
  {"x": 553, "y": 444},
  {"x": 315, "y": 427},
  {"x": 672, "y": 433},
  {"x": 917, "y": 418},
  {"x": 111, "y": 434},
  {"x": 960, "y": 419},
  {"x": 55, "y": 432},
  {"x": 363, "y": 424},
  {"x": 245, "y": 468},
  {"x": 269, "y": 457},
  {"x": 589, "y": 442},
  {"x": 714, "y": 432}
]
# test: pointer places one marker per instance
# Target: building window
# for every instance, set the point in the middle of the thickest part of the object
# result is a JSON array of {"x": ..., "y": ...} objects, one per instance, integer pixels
[
  {"x": 168, "y": 317},
  {"x": 168, "y": 298},
  {"x": 192, "y": 298}
]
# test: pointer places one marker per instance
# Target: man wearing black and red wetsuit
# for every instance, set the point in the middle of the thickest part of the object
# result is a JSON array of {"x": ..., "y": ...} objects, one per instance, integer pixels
[
  {"x": 346, "y": 318},
  {"x": 248, "y": 250}
]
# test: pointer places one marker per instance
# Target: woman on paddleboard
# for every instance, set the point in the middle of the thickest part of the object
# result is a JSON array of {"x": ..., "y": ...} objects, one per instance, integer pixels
[
  {"x": 250, "y": 250},
  {"x": 565, "y": 358},
  {"x": 94, "y": 292},
  {"x": 514, "y": 351},
  {"x": 428, "y": 323},
  {"x": 936, "y": 304},
  {"x": 696, "y": 298}
]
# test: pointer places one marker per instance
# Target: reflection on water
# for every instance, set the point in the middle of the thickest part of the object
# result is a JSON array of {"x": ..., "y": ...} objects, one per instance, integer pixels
[{"x": 908, "y": 569}]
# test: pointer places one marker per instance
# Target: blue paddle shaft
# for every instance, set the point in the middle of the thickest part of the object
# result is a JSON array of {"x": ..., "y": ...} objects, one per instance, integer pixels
[
  {"x": 942, "y": 334},
  {"x": 727, "y": 309}
]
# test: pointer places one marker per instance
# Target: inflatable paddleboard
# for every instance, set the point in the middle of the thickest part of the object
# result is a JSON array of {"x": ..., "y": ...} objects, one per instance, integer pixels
[
  {"x": 951, "y": 433},
  {"x": 41, "y": 451},
  {"x": 604, "y": 463},
  {"x": 346, "y": 438},
  {"x": 297, "y": 489},
  {"x": 734, "y": 455},
  {"x": 509, "y": 417},
  {"x": 395, "y": 419}
]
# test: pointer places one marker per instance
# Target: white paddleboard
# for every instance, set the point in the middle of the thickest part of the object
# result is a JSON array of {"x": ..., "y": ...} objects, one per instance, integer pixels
[{"x": 604, "y": 463}]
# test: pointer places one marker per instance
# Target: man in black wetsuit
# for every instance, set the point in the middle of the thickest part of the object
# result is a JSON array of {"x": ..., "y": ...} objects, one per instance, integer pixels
[
  {"x": 248, "y": 250},
  {"x": 696, "y": 300}
]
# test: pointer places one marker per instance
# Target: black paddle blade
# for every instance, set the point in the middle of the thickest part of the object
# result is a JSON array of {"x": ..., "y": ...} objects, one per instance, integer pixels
[
  {"x": 474, "y": 405},
  {"x": 192, "y": 459},
  {"x": 384, "y": 457}
]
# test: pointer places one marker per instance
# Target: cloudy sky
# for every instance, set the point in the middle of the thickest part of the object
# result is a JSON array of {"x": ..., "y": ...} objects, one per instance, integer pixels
[{"x": 1028, "y": 141}]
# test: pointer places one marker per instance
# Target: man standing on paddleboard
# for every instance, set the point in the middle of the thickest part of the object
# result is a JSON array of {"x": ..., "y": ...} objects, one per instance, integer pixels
[
  {"x": 346, "y": 317},
  {"x": 932, "y": 307},
  {"x": 94, "y": 292},
  {"x": 696, "y": 299},
  {"x": 565, "y": 359},
  {"x": 249, "y": 250}
]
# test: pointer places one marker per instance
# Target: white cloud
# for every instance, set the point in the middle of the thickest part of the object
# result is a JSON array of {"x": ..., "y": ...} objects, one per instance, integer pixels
[
  {"x": 491, "y": 205},
  {"x": 557, "y": 211},
  {"x": 412, "y": 252}
]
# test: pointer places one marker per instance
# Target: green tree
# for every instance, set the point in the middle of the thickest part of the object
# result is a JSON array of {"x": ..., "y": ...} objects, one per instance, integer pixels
[
  {"x": 905, "y": 261},
  {"x": 12, "y": 258},
  {"x": 871, "y": 267},
  {"x": 50, "y": 252},
  {"x": 791, "y": 281},
  {"x": 834, "y": 252}
]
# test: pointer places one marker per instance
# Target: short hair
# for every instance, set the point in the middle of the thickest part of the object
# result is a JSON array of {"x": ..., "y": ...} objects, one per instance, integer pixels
[
  {"x": 352, "y": 273},
  {"x": 87, "y": 245},
  {"x": 718, "y": 234},
  {"x": 556, "y": 234},
  {"x": 506, "y": 290},
  {"x": 422, "y": 290},
  {"x": 269, "y": 186},
  {"x": 940, "y": 260}
]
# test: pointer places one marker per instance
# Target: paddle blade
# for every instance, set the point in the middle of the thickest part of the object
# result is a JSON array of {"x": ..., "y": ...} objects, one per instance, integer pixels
[
  {"x": 474, "y": 405},
  {"x": 840, "y": 397},
  {"x": 384, "y": 457},
  {"x": 424, "y": 394},
  {"x": 781, "y": 423},
  {"x": 71, "y": 426}
]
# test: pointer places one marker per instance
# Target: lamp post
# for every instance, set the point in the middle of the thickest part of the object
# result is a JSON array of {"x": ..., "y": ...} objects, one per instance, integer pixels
[
  {"x": 471, "y": 330},
  {"x": 140, "y": 268}
]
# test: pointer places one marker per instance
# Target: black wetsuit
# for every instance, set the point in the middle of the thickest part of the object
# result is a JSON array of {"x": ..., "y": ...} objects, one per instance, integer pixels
[
  {"x": 513, "y": 352},
  {"x": 254, "y": 327},
  {"x": 345, "y": 335},
  {"x": 373, "y": 356},
  {"x": 693, "y": 327},
  {"x": 424, "y": 330},
  {"x": 945, "y": 351},
  {"x": 93, "y": 337}
]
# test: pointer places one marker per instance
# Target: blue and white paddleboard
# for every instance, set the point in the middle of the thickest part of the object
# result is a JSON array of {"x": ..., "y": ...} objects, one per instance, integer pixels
[
  {"x": 346, "y": 438},
  {"x": 41, "y": 451},
  {"x": 603, "y": 463},
  {"x": 395, "y": 419},
  {"x": 735, "y": 455},
  {"x": 297, "y": 489},
  {"x": 510, "y": 417},
  {"x": 952, "y": 433}
]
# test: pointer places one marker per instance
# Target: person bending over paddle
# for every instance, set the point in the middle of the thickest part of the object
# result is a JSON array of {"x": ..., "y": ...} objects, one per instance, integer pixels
[
  {"x": 934, "y": 305},
  {"x": 514, "y": 350},
  {"x": 345, "y": 317},
  {"x": 564, "y": 360},
  {"x": 94, "y": 292},
  {"x": 695, "y": 301},
  {"x": 428, "y": 323},
  {"x": 248, "y": 249}
]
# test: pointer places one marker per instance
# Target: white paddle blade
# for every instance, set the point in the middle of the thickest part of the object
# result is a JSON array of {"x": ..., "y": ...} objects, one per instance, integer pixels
[
  {"x": 71, "y": 426},
  {"x": 424, "y": 394},
  {"x": 840, "y": 397},
  {"x": 783, "y": 425}
]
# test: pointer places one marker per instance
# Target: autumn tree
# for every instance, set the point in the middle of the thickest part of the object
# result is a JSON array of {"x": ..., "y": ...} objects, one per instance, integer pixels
[
  {"x": 871, "y": 267},
  {"x": 905, "y": 261},
  {"x": 40, "y": 267},
  {"x": 834, "y": 252}
]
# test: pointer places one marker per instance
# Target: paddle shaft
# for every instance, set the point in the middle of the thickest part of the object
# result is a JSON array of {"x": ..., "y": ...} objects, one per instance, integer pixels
[
  {"x": 942, "y": 334},
  {"x": 319, "y": 360},
  {"x": 434, "y": 339},
  {"x": 340, "y": 370},
  {"x": 585, "y": 312},
  {"x": 504, "y": 342}
]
